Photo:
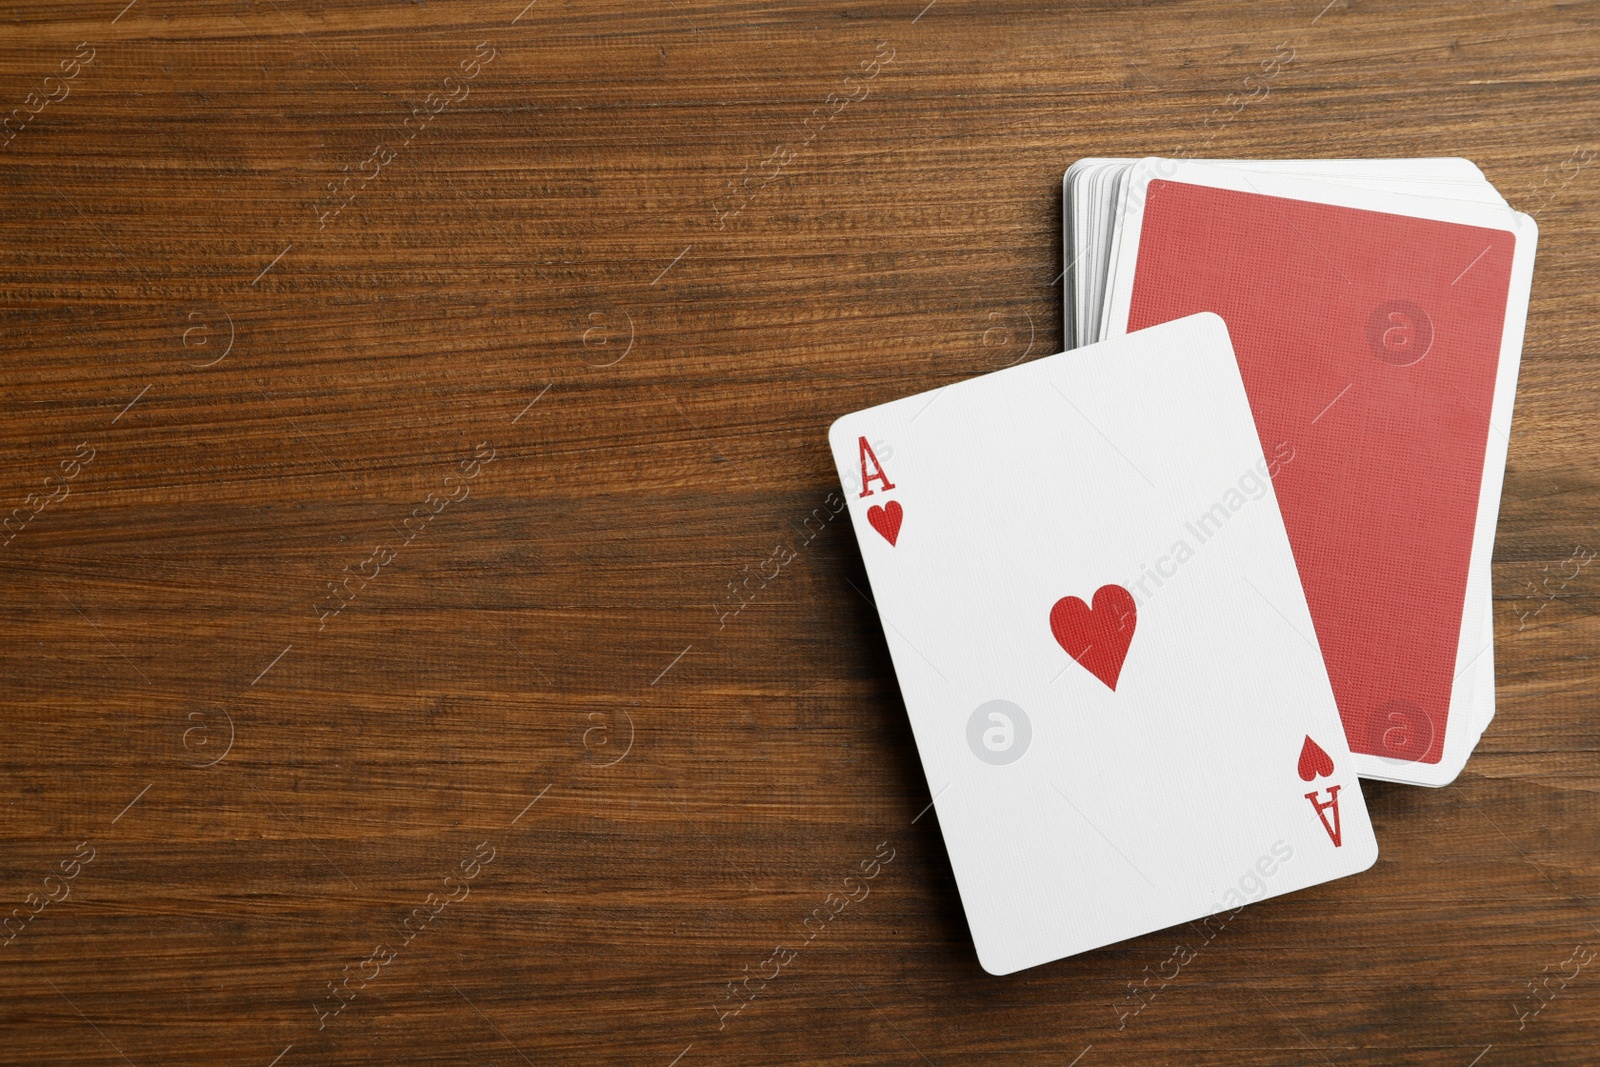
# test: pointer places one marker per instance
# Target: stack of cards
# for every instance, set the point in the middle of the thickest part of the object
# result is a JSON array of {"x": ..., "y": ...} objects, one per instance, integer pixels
[
  {"x": 1155, "y": 604},
  {"x": 1376, "y": 308}
]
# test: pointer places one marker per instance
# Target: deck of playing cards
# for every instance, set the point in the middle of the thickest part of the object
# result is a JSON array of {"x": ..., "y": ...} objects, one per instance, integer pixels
[
  {"x": 1154, "y": 604},
  {"x": 1377, "y": 309}
]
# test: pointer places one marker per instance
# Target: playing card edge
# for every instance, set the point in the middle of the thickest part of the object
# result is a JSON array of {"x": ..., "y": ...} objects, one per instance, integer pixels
[
  {"x": 964, "y": 889},
  {"x": 1366, "y": 856},
  {"x": 1440, "y": 773},
  {"x": 1459, "y": 747}
]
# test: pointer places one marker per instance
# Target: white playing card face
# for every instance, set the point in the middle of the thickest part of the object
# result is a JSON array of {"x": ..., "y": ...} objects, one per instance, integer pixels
[{"x": 1102, "y": 643}]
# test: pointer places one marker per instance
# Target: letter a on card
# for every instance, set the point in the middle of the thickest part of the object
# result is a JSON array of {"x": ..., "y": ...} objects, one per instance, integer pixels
[
  {"x": 1322, "y": 812},
  {"x": 868, "y": 479}
]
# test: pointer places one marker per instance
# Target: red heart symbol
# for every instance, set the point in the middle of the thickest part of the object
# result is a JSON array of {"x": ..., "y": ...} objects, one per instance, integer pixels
[
  {"x": 1314, "y": 763},
  {"x": 1097, "y": 637},
  {"x": 886, "y": 520}
]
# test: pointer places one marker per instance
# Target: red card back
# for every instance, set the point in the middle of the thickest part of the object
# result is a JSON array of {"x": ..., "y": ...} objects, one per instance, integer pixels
[{"x": 1369, "y": 343}]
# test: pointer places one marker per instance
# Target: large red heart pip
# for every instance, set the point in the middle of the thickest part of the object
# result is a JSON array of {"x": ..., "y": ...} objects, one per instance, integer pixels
[
  {"x": 886, "y": 520},
  {"x": 1096, "y": 637}
]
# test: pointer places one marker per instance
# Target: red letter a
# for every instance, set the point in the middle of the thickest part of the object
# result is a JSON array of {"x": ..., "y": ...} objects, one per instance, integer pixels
[
  {"x": 867, "y": 479},
  {"x": 1322, "y": 812}
]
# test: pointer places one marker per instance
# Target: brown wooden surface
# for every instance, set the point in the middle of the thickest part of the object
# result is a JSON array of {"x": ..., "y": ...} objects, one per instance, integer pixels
[{"x": 554, "y": 236}]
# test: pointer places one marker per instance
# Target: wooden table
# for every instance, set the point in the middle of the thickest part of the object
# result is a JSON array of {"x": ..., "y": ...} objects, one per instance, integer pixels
[{"x": 408, "y": 405}]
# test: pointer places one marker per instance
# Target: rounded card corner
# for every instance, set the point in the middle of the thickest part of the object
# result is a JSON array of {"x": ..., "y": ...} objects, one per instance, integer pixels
[
  {"x": 1210, "y": 320},
  {"x": 993, "y": 967},
  {"x": 834, "y": 429},
  {"x": 1453, "y": 775}
]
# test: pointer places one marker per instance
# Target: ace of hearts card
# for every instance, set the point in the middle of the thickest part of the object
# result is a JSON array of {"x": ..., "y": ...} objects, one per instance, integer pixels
[{"x": 1102, "y": 643}]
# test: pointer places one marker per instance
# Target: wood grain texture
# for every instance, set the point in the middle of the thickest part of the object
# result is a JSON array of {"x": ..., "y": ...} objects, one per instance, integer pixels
[{"x": 626, "y": 216}]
